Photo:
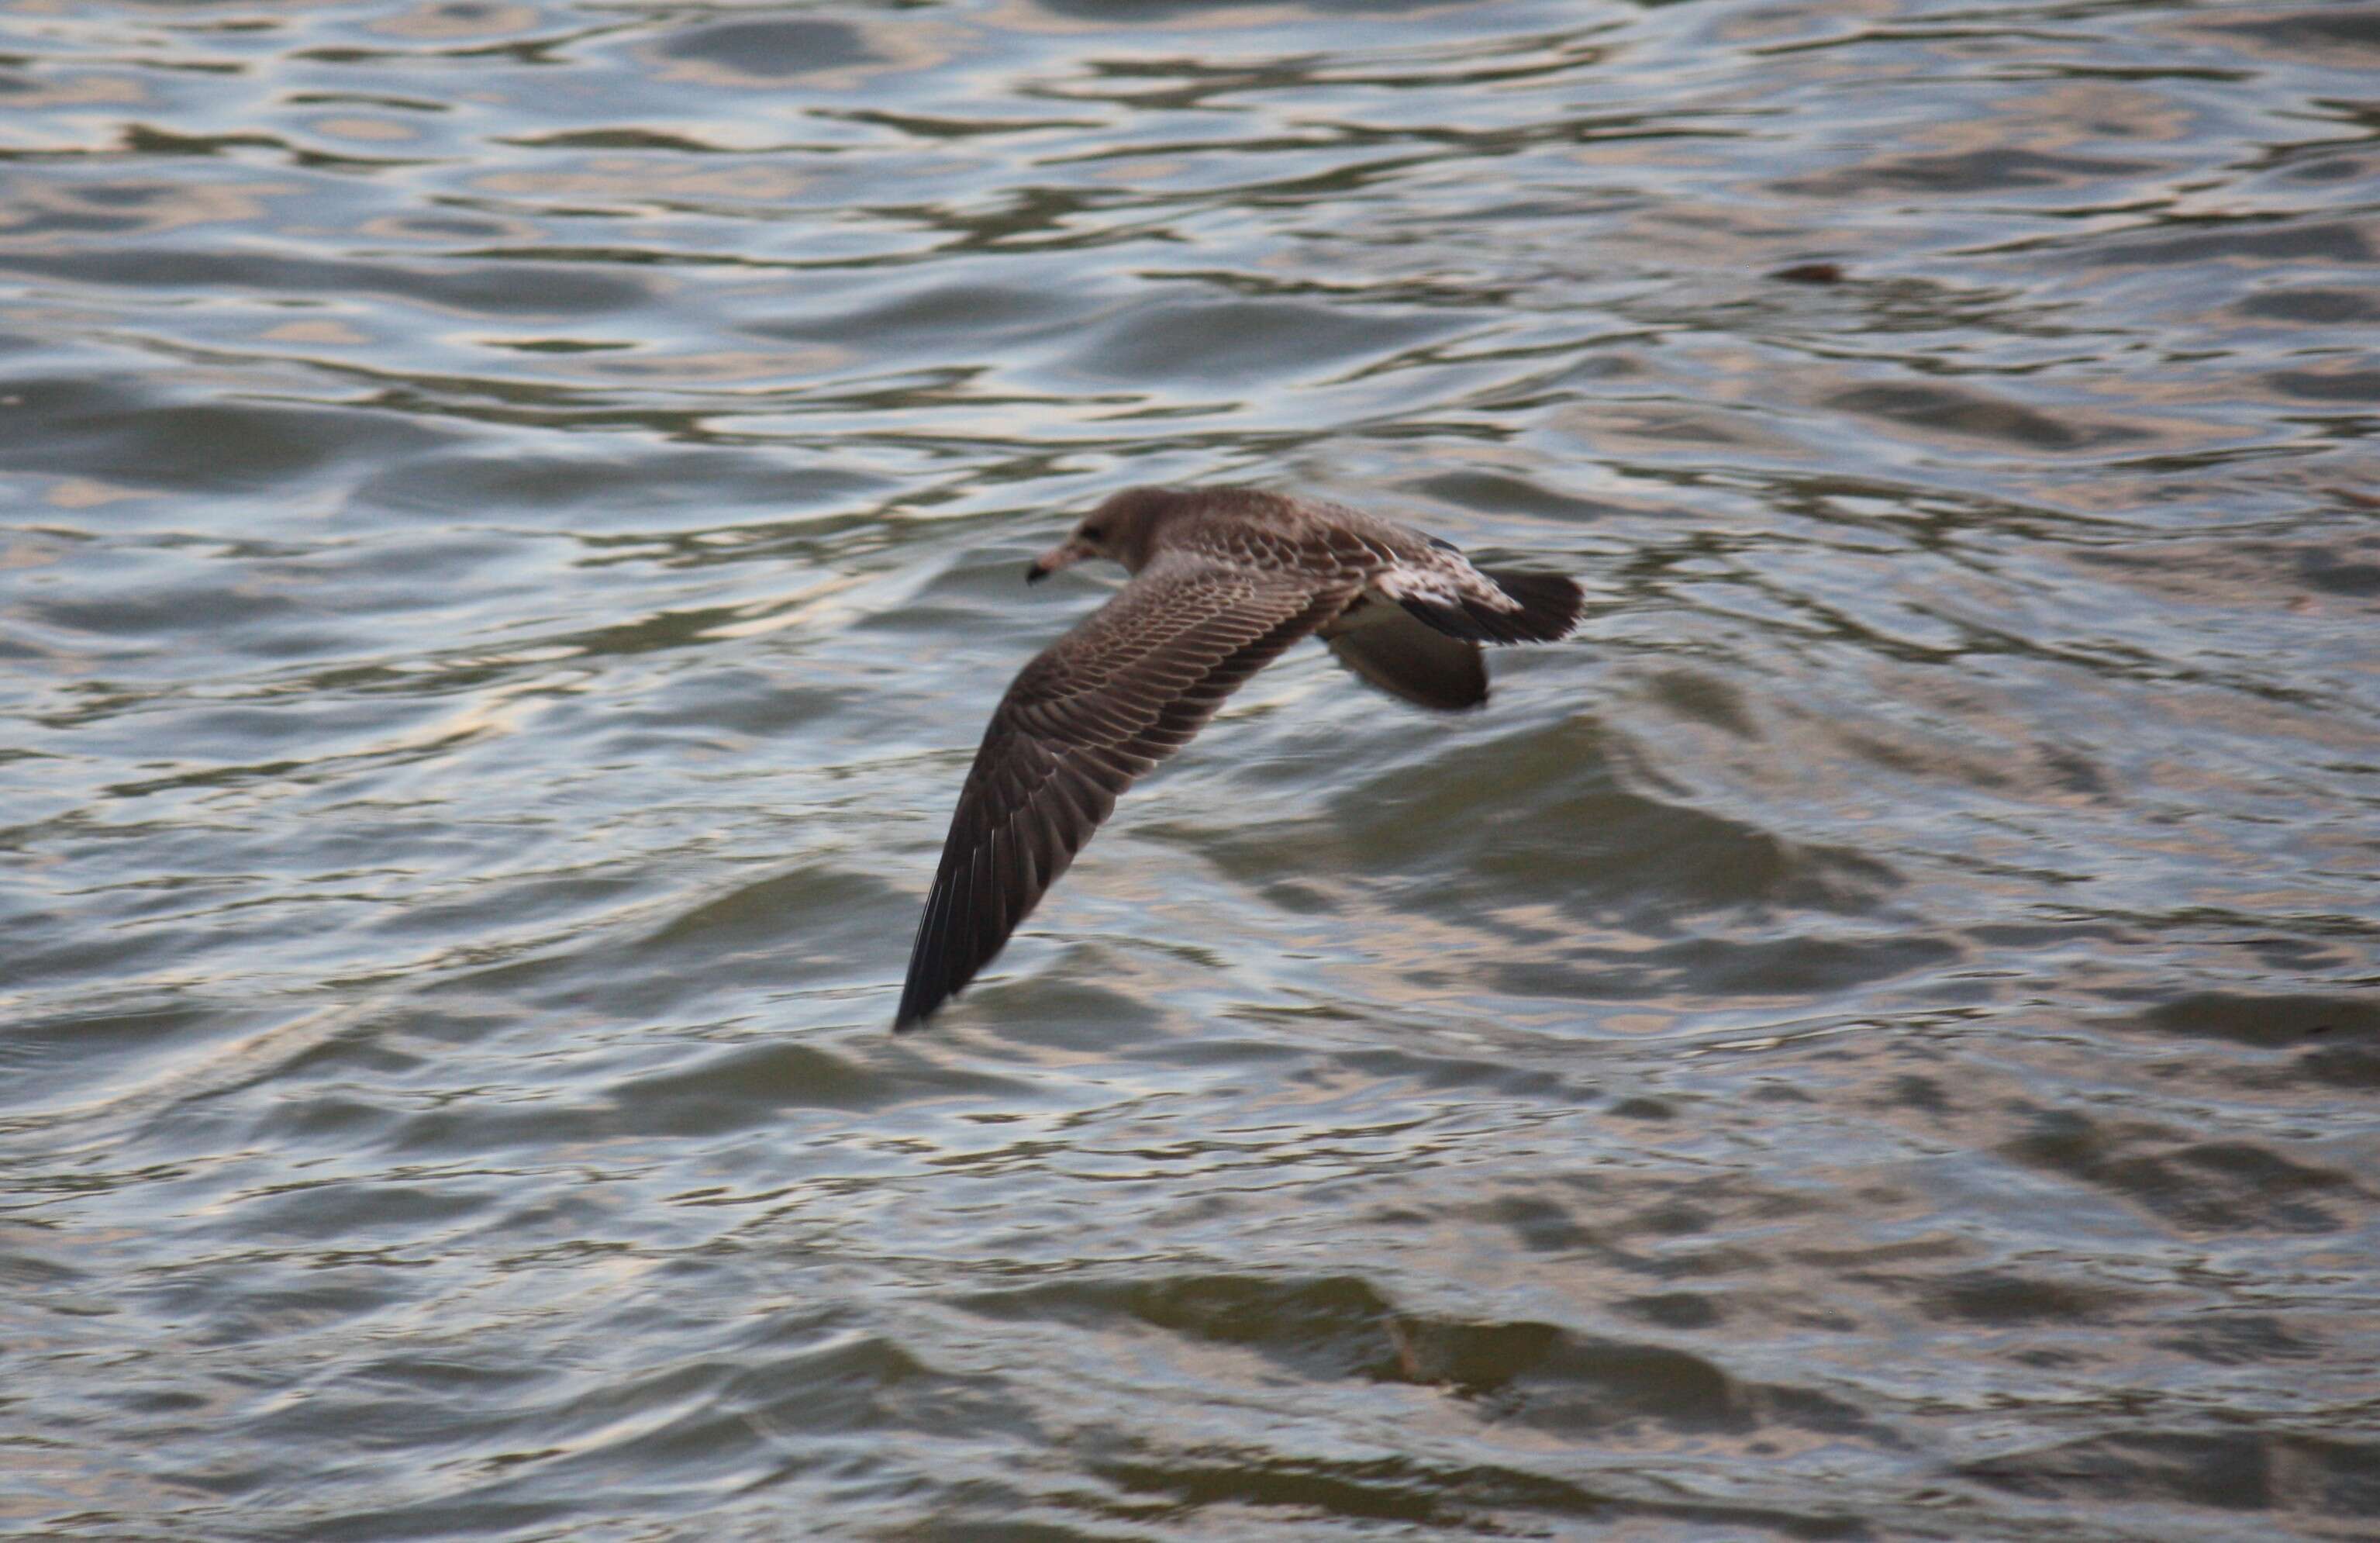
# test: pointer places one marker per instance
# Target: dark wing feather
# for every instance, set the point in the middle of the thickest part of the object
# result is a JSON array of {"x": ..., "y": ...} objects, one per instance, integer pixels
[
  {"x": 1405, "y": 658},
  {"x": 1125, "y": 688}
]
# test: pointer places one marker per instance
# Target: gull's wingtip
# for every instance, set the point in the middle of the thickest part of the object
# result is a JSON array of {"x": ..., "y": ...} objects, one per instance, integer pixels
[
  {"x": 914, "y": 1011},
  {"x": 922, "y": 988}
]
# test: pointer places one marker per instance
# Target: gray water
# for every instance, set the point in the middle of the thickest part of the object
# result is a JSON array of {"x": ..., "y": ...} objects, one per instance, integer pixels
[{"x": 514, "y": 521}]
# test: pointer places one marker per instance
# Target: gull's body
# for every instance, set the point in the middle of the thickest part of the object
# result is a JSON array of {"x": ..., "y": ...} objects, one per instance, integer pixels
[{"x": 1223, "y": 580}]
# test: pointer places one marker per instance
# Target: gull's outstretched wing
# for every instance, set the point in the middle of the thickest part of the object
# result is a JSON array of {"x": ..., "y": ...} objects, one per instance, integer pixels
[{"x": 1125, "y": 688}]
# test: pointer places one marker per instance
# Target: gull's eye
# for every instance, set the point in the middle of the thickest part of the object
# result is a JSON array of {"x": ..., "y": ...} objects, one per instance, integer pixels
[{"x": 1095, "y": 532}]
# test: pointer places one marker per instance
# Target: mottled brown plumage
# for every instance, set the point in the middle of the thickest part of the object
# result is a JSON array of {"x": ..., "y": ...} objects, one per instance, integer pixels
[{"x": 1223, "y": 580}]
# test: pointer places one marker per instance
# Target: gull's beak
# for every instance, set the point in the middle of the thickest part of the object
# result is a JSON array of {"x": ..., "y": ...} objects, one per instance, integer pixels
[{"x": 1066, "y": 554}]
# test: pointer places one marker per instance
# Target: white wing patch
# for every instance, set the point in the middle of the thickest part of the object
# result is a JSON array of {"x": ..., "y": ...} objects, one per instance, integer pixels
[{"x": 1448, "y": 581}]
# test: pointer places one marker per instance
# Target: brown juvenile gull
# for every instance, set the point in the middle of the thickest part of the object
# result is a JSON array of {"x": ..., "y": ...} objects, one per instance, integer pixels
[{"x": 1223, "y": 580}]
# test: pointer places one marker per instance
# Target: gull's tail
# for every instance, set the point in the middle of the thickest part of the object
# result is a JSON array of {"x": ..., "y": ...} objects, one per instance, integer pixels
[{"x": 1544, "y": 608}]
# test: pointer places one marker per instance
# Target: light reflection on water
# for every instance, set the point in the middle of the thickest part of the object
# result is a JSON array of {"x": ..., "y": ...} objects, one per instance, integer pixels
[{"x": 517, "y": 512}]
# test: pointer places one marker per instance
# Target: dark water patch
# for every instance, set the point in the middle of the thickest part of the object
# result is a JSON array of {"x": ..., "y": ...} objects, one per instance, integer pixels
[
  {"x": 2243, "y": 242},
  {"x": 972, "y": 315},
  {"x": 2359, "y": 387},
  {"x": 69, "y": 221},
  {"x": 2289, "y": 1474},
  {"x": 166, "y": 611},
  {"x": 69, "y": 426},
  {"x": 507, "y": 904},
  {"x": 468, "y": 226},
  {"x": 1236, "y": 14},
  {"x": 1921, "y": 1093},
  {"x": 1543, "y": 817},
  {"x": 772, "y": 929},
  {"x": 81, "y": 1053},
  {"x": 393, "y": 1213},
  {"x": 1706, "y": 700},
  {"x": 1550, "y": 1379},
  {"x": 2005, "y": 1298},
  {"x": 1317, "y": 1490},
  {"x": 2234, "y": 572},
  {"x": 694, "y": 709},
  {"x": 54, "y": 948},
  {"x": 1974, "y": 170},
  {"x": 2319, "y": 35},
  {"x": 851, "y": 1382},
  {"x": 635, "y": 487},
  {"x": 2243, "y": 1339},
  {"x": 820, "y": 928},
  {"x": 1971, "y": 415},
  {"x": 1534, "y": 1374},
  {"x": 748, "y": 1086},
  {"x": 2324, "y": 169},
  {"x": 2307, "y": 1020},
  {"x": 773, "y": 50},
  {"x": 2195, "y": 1185},
  {"x": 333, "y": 1118},
  {"x": 471, "y": 289},
  {"x": 463, "y": 1131},
  {"x": 1463, "y": 1073},
  {"x": 1484, "y": 1500},
  {"x": 420, "y": 1518},
  {"x": 1087, "y": 1000},
  {"x": 1329, "y": 1327},
  {"x": 1241, "y": 343},
  {"x": 1675, "y": 1310},
  {"x": 2333, "y": 573},
  {"x": 1542, "y": 1225},
  {"x": 2314, "y": 307},
  {"x": 342, "y": 1293},
  {"x": 2353, "y": 1066},
  {"x": 1800, "y": 966},
  {"x": 1499, "y": 493}
]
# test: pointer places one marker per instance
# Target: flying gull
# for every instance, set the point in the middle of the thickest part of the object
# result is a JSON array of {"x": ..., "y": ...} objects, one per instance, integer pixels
[{"x": 1223, "y": 579}]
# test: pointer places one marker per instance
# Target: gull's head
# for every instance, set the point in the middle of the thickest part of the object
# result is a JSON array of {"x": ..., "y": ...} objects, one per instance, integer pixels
[{"x": 1122, "y": 529}]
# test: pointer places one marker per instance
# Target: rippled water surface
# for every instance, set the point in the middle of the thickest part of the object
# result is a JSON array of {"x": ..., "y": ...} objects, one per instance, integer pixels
[{"x": 513, "y": 520}]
